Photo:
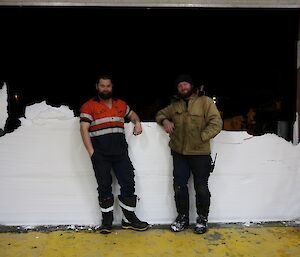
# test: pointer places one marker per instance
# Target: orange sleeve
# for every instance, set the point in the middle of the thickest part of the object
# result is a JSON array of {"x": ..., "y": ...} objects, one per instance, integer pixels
[
  {"x": 126, "y": 109},
  {"x": 86, "y": 114}
]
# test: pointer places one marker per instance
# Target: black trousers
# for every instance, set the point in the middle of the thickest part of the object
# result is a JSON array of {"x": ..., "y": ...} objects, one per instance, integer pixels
[
  {"x": 124, "y": 172},
  {"x": 200, "y": 166}
]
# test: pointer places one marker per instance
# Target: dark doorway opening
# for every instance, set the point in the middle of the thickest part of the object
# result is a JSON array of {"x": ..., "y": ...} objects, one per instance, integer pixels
[{"x": 246, "y": 58}]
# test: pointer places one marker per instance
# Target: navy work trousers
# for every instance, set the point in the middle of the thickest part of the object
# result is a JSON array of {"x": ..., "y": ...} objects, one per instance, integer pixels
[
  {"x": 124, "y": 172},
  {"x": 200, "y": 166}
]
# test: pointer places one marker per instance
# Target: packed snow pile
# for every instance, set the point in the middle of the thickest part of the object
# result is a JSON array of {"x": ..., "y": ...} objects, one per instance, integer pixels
[
  {"x": 46, "y": 176},
  {"x": 44, "y": 111},
  {"x": 3, "y": 106}
]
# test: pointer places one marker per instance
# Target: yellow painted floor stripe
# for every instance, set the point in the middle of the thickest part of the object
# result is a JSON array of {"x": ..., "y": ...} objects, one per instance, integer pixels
[{"x": 217, "y": 242}]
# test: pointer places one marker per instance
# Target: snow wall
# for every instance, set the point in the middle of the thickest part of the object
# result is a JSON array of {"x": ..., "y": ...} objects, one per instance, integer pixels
[
  {"x": 46, "y": 176},
  {"x": 3, "y": 106}
]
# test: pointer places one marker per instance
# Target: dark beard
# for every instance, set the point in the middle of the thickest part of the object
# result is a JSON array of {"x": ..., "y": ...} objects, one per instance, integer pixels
[
  {"x": 185, "y": 95},
  {"x": 105, "y": 96}
]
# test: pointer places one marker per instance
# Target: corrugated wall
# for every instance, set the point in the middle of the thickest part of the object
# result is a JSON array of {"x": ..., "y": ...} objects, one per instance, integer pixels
[{"x": 158, "y": 3}]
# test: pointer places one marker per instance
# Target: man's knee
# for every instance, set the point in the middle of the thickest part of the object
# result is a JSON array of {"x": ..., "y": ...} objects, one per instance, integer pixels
[
  {"x": 202, "y": 190},
  {"x": 179, "y": 188}
]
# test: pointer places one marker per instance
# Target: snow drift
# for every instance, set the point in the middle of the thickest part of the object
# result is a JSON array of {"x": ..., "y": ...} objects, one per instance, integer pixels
[{"x": 46, "y": 177}]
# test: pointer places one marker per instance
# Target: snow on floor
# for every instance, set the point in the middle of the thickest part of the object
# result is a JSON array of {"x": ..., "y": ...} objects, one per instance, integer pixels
[{"x": 46, "y": 177}]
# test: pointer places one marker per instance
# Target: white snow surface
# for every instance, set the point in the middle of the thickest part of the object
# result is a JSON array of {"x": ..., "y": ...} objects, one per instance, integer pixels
[
  {"x": 3, "y": 106},
  {"x": 46, "y": 176}
]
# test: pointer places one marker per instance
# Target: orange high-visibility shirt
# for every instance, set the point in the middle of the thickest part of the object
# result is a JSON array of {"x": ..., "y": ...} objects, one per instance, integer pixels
[{"x": 106, "y": 124}]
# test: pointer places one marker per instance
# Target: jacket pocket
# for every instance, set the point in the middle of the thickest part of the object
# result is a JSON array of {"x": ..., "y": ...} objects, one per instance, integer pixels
[
  {"x": 197, "y": 118},
  {"x": 196, "y": 125}
]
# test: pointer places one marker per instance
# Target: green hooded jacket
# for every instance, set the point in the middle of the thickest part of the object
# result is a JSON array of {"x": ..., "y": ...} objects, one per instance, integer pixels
[{"x": 194, "y": 125}]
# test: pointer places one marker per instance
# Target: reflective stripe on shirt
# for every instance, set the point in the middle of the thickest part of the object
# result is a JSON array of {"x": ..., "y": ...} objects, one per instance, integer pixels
[
  {"x": 106, "y": 131},
  {"x": 107, "y": 119},
  {"x": 87, "y": 116}
]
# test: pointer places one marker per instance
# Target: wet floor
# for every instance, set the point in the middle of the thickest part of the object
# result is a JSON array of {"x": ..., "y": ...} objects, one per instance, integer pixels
[{"x": 266, "y": 241}]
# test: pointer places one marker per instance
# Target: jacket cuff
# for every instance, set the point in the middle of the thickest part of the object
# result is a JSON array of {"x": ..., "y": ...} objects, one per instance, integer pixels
[{"x": 160, "y": 119}]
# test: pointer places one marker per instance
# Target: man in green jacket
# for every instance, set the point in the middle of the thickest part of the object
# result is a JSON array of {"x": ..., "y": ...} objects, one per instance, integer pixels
[{"x": 191, "y": 121}]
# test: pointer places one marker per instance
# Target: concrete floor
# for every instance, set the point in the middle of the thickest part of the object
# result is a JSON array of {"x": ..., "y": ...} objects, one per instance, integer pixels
[{"x": 265, "y": 241}]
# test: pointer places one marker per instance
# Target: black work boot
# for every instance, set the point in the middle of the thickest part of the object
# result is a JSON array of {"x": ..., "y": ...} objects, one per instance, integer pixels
[
  {"x": 181, "y": 223},
  {"x": 106, "y": 206},
  {"x": 201, "y": 225},
  {"x": 130, "y": 220}
]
